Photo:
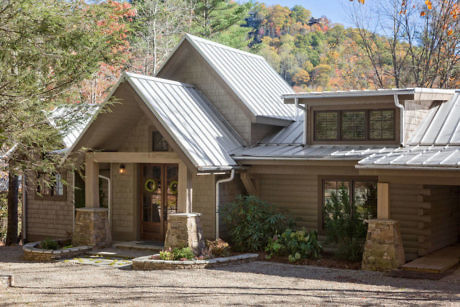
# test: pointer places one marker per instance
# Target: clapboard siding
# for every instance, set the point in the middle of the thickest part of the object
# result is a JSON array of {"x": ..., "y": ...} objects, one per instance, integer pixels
[
  {"x": 204, "y": 196},
  {"x": 297, "y": 194}
]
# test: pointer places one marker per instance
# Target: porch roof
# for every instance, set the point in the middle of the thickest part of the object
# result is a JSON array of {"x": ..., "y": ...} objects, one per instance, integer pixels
[{"x": 203, "y": 136}]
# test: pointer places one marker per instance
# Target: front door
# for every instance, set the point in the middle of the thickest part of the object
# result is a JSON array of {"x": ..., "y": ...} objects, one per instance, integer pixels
[{"x": 158, "y": 199}]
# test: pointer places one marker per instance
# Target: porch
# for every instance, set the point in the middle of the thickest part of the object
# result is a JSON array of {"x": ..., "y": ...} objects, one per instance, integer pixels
[{"x": 144, "y": 189}]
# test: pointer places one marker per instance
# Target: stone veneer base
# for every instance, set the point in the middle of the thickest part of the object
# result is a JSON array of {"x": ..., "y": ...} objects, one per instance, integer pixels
[
  {"x": 32, "y": 253},
  {"x": 146, "y": 263}
]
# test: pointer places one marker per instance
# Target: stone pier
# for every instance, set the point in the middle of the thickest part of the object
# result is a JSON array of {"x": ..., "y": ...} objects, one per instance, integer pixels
[
  {"x": 184, "y": 230},
  {"x": 92, "y": 227},
  {"x": 383, "y": 250}
]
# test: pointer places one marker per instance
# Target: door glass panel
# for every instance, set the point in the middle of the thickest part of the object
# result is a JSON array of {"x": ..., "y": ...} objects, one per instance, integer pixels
[
  {"x": 152, "y": 189},
  {"x": 171, "y": 192}
]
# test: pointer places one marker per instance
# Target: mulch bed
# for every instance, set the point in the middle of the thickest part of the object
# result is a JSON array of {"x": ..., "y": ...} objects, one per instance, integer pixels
[{"x": 326, "y": 260}]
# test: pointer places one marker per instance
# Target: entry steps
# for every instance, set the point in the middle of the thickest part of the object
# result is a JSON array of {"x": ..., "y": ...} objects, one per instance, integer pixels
[{"x": 128, "y": 250}]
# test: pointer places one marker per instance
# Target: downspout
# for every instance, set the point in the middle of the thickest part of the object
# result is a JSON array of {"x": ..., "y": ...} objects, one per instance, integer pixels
[
  {"x": 401, "y": 121},
  {"x": 24, "y": 209},
  {"x": 109, "y": 198},
  {"x": 299, "y": 107},
  {"x": 218, "y": 182}
]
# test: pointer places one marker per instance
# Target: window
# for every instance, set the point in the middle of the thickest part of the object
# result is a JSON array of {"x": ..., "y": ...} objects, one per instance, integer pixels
[
  {"x": 356, "y": 125},
  {"x": 382, "y": 125},
  {"x": 364, "y": 193},
  {"x": 50, "y": 187},
  {"x": 326, "y": 125},
  {"x": 159, "y": 143}
]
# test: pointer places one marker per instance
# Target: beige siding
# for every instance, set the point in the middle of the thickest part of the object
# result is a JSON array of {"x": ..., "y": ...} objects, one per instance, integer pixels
[
  {"x": 445, "y": 215},
  {"x": 194, "y": 70},
  {"x": 125, "y": 195},
  {"x": 229, "y": 191},
  {"x": 297, "y": 194},
  {"x": 204, "y": 203},
  {"x": 49, "y": 218},
  {"x": 414, "y": 114}
]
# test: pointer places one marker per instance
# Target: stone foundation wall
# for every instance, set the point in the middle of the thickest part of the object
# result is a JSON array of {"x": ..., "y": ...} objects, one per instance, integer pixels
[
  {"x": 92, "y": 227},
  {"x": 383, "y": 250}
]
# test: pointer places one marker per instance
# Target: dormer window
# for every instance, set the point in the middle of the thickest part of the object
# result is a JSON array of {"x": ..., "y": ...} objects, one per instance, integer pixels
[
  {"x": 159, "y": 143},
  {"x": 354, "y": 125}
]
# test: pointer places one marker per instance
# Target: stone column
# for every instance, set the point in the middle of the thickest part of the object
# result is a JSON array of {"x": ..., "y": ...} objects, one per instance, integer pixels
[
  {"x": 383, "y": 250},
  {"x": 184, "y": 230},
  {"x": 92, "y": 227}
]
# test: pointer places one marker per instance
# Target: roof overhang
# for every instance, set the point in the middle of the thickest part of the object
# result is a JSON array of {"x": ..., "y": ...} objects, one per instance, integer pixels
[{"x": 419, "y": 94}]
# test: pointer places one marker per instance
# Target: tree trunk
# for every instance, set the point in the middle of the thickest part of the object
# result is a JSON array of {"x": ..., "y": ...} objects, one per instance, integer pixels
[{"x": 12, "y": 230}]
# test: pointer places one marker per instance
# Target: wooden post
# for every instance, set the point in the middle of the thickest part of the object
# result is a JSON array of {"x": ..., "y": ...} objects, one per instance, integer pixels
[
  {"x": 91, "y": 182},
  {"x": 383, "y": 200},
  {"x": 248, "y": 183},
  {"x": 182, "y": 189}
]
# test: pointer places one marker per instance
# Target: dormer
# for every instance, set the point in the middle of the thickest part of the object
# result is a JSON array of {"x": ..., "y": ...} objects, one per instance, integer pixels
[{"x": 380, "y": 117}]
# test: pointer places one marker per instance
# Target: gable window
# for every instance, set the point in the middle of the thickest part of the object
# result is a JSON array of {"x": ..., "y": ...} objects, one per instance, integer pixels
[
  {"x": 50, "y": 187},
  {"x": 363, "y": 192},
  {"x": 159, "y": 143},
  {"x": 354, "y": 125}
]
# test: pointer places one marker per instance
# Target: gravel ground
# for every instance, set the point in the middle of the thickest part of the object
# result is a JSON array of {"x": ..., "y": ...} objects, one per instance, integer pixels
[{"x": 257, "y": 283}]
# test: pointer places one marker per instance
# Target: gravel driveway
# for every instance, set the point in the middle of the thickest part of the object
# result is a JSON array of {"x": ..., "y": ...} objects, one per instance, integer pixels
[{"x": 257, "y": 283}]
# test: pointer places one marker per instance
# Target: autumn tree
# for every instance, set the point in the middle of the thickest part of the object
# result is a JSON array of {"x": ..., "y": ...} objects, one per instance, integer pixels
[{"x": 47, "y": 49}]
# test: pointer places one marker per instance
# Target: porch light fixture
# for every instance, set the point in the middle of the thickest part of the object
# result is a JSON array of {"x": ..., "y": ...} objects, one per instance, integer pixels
[{"x": 122, "y": 169}]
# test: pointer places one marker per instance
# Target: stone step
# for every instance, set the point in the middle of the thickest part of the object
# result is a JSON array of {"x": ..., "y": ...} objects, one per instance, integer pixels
[
  {"x": 117, "y": 253},
  {"x": 139, "y": 245}
]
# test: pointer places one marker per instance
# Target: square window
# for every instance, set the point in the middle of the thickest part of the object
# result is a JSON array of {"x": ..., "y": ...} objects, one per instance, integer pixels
[
  {"x": 382, "y": 125},
  {"x": 326, "y": 126}
]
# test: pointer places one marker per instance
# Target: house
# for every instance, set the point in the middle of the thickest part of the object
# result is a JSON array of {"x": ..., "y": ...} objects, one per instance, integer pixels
[{"x": 217, "y": 122}]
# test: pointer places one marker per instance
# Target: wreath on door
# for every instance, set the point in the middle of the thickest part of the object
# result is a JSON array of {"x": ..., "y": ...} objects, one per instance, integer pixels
[
  {"x": 151, "y": 185},
  {"x": 173, "y": 187}
]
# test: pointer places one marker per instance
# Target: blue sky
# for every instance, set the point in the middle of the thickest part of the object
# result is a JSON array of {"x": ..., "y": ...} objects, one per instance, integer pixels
[{"x": 335, "y": 10}]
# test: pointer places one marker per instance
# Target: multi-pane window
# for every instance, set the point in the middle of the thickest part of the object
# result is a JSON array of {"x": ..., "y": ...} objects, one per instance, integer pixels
[
  {"x": 354, "y": 125},
  {"x": 50, "y": 186},
  {"x": 382, "y": 125},
  {"x": 326, "y": 125},
  {"x": 364, "y": 194}
]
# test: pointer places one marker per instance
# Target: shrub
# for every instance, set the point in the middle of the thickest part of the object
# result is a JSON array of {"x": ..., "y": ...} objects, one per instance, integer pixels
[
  {"x": 184, "y": 253},
  {"x": 295, "y": 244},
  {"x": 345, "y": 226},
  {"x": 49, "y": 244},
  {"x": 218, "y": 248},
  {"x": 252, "y": 222}
]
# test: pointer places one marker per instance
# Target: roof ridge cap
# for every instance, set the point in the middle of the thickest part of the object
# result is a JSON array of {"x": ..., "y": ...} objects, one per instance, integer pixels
[
  {"x": 156, "y": 79},
  {"x": 193, "y": 38}
]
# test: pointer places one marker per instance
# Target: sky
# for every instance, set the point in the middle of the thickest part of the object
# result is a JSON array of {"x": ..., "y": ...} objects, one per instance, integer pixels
[{"x": 334, "y": 10}]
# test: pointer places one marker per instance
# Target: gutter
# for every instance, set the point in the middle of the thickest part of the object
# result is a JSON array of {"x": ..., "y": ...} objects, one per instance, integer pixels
[
  {"x": 218, "y": 182},
  {"x": 299, "y": 107},
  {"x": 401, "y": 121}
]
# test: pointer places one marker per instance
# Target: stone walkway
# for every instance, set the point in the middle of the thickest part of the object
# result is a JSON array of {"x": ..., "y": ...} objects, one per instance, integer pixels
[{"x": 99, "y": 261}]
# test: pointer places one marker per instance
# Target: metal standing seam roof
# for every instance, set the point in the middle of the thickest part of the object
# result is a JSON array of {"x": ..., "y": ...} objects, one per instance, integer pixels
[
  {"x": 435, "y": 145},
  {"x": 189, "y": 120},
  {"x": 252, "y": 79}
]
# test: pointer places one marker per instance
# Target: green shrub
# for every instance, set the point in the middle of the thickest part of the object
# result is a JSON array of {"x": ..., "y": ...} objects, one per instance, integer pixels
[
  {"x": 252, "y": 222},
  {"x": 184, "y": 253},
  {"x": 218, "y": 248},
  {"x": 345, "y": 226},
  {"x": 295, "y": 244},
  {"x": 49, "y": 244}
]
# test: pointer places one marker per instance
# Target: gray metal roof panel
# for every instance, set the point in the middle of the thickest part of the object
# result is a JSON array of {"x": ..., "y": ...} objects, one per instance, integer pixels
[
  {"x": 252, "y": 79},
  {"x": 442, "y": 125},
  {"x": 311, "y": 152},
  {"x": 186, "y": 115},
  {"x": 292, "y": 134},
  {"x": 415, "y": 157}
]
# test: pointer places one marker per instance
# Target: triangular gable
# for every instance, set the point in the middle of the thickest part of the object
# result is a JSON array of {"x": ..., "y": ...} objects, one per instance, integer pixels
[
  {"x": 249, "y": 76},
  {"x": 187, "y": 119}
]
